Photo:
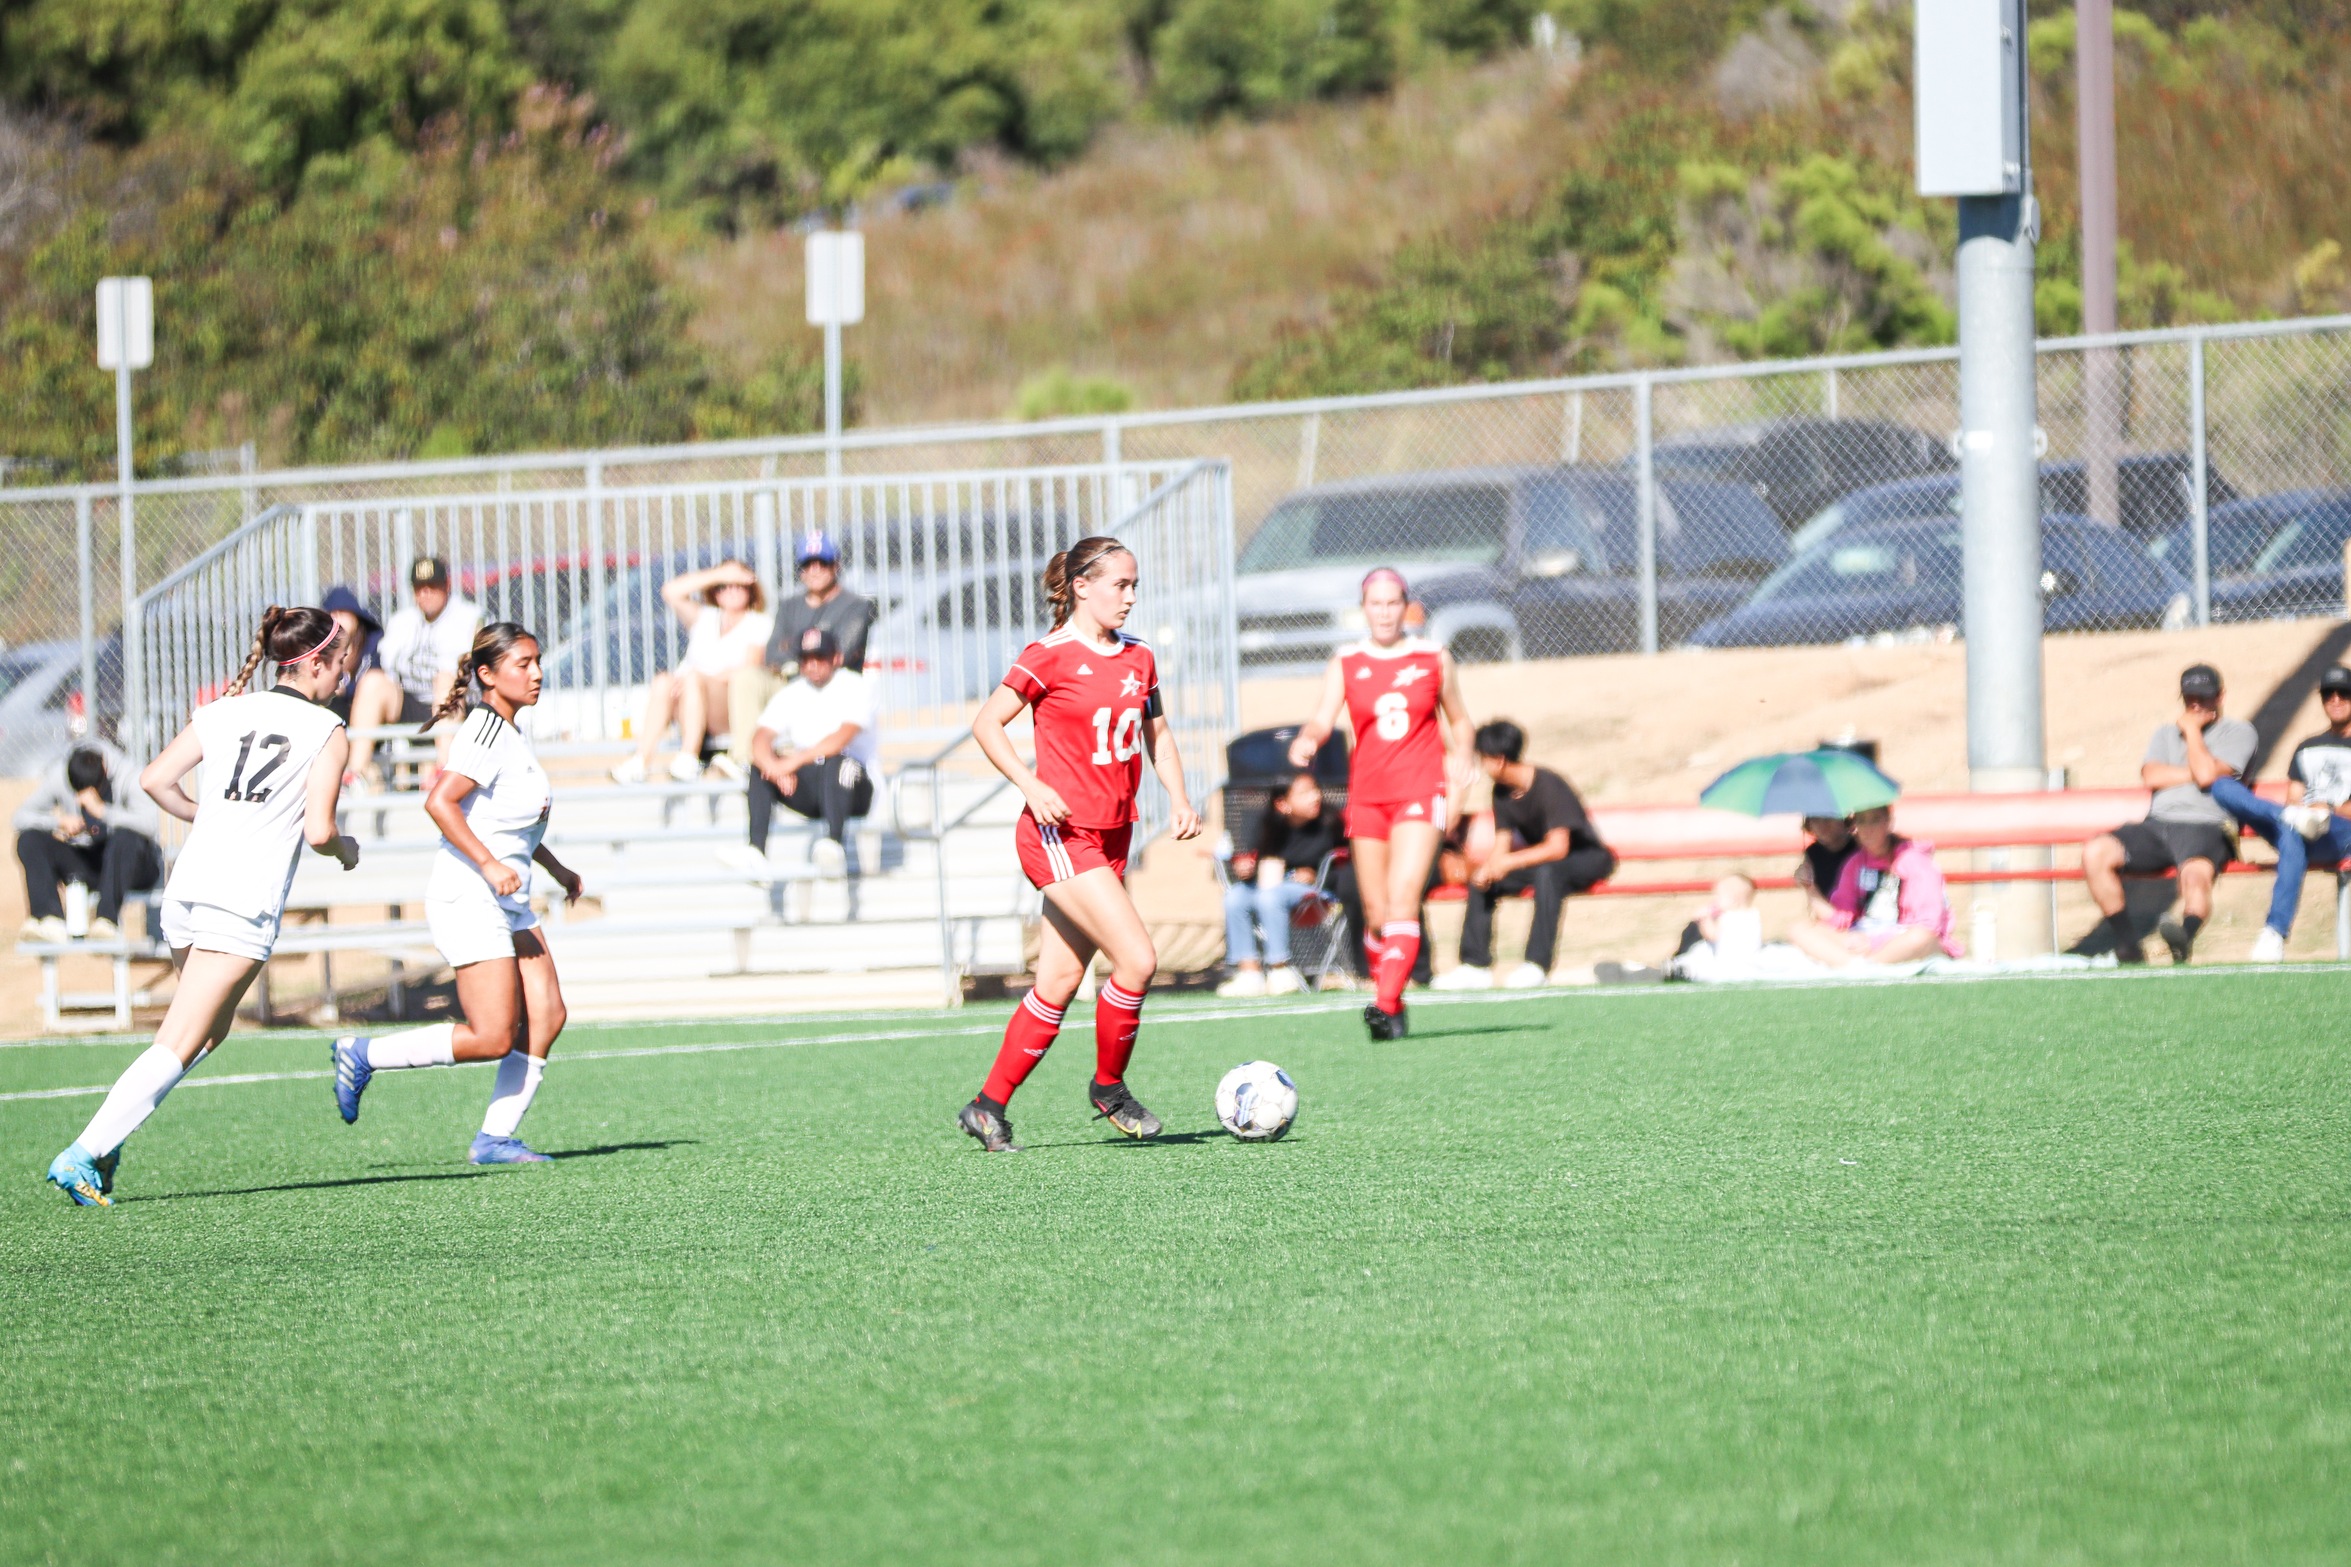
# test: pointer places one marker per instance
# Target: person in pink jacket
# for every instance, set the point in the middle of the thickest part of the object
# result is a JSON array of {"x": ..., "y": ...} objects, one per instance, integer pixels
[{"x": 1889, "y": 905}]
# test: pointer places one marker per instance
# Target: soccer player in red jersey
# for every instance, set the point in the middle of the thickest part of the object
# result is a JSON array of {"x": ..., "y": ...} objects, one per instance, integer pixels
[
  {"x": 1095, "y": 693},
  {"x": 1403, "y": 781}
]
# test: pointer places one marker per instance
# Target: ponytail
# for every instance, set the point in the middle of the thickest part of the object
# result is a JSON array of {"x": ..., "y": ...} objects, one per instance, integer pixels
[
  {"x": 490, "y": 644},
  {"x": 1070, "y": 567},
  {"x": 285, "y": 636}
]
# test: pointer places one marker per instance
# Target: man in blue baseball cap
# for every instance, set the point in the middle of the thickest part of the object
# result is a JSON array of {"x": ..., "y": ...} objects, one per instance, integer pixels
[{"x": 822, "y": 604}]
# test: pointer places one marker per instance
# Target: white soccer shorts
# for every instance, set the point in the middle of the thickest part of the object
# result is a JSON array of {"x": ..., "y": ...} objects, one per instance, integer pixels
[
  {"x": 210, "y": 928},
  {"x": 474, "y": 927}
]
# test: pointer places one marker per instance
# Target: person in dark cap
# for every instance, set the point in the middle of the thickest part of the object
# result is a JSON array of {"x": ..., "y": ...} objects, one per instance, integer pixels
[
  {"x": 362, "y": 633},
  {"x": 813, "y": 751},
  {"x": 2310, "y": 829},
  {"x": 821, "y": 602},
  {"x": 2186, "y": 829},
  {"x": 418, "y": 655}
]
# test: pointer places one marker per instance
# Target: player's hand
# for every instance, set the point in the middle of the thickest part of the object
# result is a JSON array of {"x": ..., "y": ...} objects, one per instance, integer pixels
[
  {"x": 1302, "y": 750},
  {"x": 346, "y": 851},
  {"x": 1485, "y": 875},
  {"x": 1186, "y": 822},
  {"x": 504, "y": 880},
  {"x": 569, "y": 880},
  {"x": 1050, "y": 809}
]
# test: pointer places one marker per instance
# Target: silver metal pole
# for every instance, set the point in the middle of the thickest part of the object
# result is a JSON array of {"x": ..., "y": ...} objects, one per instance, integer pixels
[
  {"x": 832, "y": 399},
  {"x": 83, "y": 572},
  {"x": 2001, "y": 523},
  {"x": 133, "y": 687},
  {"x": 598, "y": 579},
  {"x": 1645, "y": 512},
  {"x": 2199, "y": 508}
]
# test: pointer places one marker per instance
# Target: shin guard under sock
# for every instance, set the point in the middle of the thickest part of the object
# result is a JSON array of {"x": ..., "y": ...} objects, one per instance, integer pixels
[
  {"x": 1395, "y": 967},
  {"x": 1026, "y": 1039},
  {"x": 1118, "y": 1015}
]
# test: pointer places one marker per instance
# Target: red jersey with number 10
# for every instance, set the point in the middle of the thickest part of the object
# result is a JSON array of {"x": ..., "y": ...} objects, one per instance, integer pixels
[
  {"x": 1090, "y": 706},
  {"x": 1392, "y": 695}
]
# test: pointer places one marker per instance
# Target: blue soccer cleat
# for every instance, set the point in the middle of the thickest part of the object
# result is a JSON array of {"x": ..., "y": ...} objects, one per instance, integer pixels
[
  {"x": 351, "y": 1075},
  {"x": 76, "y": 1174},
  {"x": 503, "y": 1150}
]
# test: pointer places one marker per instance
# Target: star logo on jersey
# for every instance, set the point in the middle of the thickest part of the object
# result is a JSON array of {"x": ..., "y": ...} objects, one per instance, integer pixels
[
  {"x": 1409, "y": 673},
  {"x": 1363, "y": 673},
  {"x": 1085, "y": 669},
  {"x": 1413, "y": 809},
  {"x": 1130, "y": 684}
]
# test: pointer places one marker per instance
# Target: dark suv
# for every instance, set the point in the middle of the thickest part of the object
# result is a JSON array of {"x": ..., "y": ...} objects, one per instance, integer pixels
[
  {"x": 1798, "y": 466},
  {"x": 1508, "y": 562}
]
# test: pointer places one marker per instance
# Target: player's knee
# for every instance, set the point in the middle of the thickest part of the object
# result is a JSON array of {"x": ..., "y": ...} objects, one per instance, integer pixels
[{"x": 2102, "y": 853}]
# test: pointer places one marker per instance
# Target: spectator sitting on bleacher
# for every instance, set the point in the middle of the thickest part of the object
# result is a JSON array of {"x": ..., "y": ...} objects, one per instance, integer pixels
[
  {"x": 2185, "y": 829},
  {"x": 724, "y": 611},
  {"x": 1829, "y": 844},
  {"x": 418, "y": 656},
  {"x": 2310, "y": 828},
  {"x": 82, "y": 824},
  {"x": 824, "y": 723},
  {"x": 1890, "y": 904},
  {"x": 1269, "y": 881},
  {"x": 1543, "y": 842},
  {"x": 362, "y": 634},
  {"x": 822, "y": 602}
]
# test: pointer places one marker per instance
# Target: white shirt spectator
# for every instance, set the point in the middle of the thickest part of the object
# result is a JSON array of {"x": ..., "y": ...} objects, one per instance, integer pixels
[
  {"x": 414, "y": 650},
  {"x": 801, "y": 714},
  {"x": 711, "y": 651}
]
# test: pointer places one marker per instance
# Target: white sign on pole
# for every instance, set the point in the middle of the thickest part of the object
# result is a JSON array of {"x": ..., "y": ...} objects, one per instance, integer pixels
[
  {"x": 1969, "y": 94},
  {"x": 126, "y": 323},
  {"x": 836, "y": 278}
]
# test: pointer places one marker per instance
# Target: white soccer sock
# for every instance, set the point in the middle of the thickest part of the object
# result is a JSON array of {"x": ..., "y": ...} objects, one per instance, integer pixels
[
  {"x": 132, "y": 1099},
  {"x": 435, "y": 1044},
  {"x": 510, "y": 1097}
]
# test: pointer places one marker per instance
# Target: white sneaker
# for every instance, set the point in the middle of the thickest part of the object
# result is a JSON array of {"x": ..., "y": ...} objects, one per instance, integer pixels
[
  {"x": 2311, "y": 821},
  {"x": 1464, "y": 976},
  {"x": 102, "y": 929},
  {"x": 742, "y": 857},
  {"x": 2268, "y": 947},
  {"x": 684, "y": 768},
  {"x": 1246, "y": 985},
  {"x": 1526, "y": 976},
  {"x": 1283, "y": 980},
  {"x": 50, "y": 929},
  {"x": 829, "y": 858},
  {"x": 725, "y": 766},
  {"x": 630, "y": 771}
]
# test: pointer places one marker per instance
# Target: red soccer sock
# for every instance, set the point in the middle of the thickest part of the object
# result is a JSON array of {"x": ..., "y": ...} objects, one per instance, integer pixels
[
  {"x": 1118, "y": 1015},
  {"x": 1375, "y": 948},
  {"x": 1026, "y": 1039},
  {"x": 1395, "y": 965}
]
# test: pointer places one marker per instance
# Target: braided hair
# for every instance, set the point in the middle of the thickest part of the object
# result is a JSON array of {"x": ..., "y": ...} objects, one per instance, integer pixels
[
  {"x": 490, "y": 644},
  {"x": 285, "y": 636},
  {"x": 1074, "y": 565}
]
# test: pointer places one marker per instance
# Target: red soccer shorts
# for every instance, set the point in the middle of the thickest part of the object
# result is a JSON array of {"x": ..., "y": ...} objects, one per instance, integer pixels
[
  {"x": 1051, "y": 854},
  {"x": 1373, "y": 818}
]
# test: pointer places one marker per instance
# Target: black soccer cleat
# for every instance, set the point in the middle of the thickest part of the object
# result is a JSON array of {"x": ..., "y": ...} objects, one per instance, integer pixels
[
  {"x": 2176, "y": 937},
  {"x": 1385, "y": 1026},
  {"x": 1113, "y": 1103},
  {"x": 989, "y": 1126}
]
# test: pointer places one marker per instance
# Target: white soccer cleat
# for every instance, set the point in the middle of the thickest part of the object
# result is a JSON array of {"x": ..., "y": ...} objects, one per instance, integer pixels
[
  {"x": 1464, "y": 976},
  {"x": 1247, "y": 985},
  {"x": 1283, "y": 980},
  {"x": 2268, "y": 947},
  {"x": 1526, "y": 976}
]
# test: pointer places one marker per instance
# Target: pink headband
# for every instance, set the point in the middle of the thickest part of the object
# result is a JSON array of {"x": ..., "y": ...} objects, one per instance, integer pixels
[
  {"x": 332, "y": 631},
  {"x": 1387, "y": 573}
]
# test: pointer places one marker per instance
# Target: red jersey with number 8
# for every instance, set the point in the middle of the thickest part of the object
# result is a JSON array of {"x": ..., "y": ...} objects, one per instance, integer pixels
[
  {"x": 1090, "y": 707},
  {"x": 1392, "y": 696}
]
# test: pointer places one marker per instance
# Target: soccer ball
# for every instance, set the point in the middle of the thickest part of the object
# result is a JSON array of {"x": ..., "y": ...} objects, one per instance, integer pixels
[{"x": 1257, "y": 1101}]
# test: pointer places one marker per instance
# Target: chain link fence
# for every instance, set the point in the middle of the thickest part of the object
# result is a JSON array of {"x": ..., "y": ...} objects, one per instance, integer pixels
[{"x": 2188, "y": 476}]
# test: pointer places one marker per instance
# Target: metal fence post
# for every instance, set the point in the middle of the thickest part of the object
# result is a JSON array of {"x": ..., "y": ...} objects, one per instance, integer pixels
[
  {"x": 2199, "y": 500},
  {"x": 1309, "y": 447},
  {"x": 594, "y": 576},
  {"x": 134, "y": 688},
  {"x": 89, "y": 608},
  {"x": 1571, "y": 434},
  {"x": 1645, "y": 521},
  {"x": 1828, "y": 400}
]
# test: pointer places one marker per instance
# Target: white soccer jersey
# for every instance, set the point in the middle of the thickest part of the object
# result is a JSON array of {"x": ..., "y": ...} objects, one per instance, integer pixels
[
  {"x": 250, "y": 802},
  {"x": 507, "y": 809}
]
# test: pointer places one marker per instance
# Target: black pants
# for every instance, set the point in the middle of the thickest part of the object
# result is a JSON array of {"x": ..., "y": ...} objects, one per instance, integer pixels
[
  {"x": 1552, "y": 882},
  {"x": 116, "y": 865},
  {"x": 832, "y": 791}
]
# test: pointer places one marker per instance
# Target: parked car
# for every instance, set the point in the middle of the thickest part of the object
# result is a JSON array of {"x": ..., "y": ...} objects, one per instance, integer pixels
[
  {"x": 41, "y": 700},
  {"x": 1798, "y": 466},
  {"x": 1506, "y": 562},
  {"x": 2153, "y": 489},
  {"x": 2273, "y": 556},
  {"x": 1892, "y": 577}
]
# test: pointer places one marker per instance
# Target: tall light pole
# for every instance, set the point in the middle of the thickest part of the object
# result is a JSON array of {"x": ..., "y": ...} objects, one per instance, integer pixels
[
  {"x": 1973, "y": 144},
  {"x": 126, "y": 342},
  {"x": 2093, "y": 54}
]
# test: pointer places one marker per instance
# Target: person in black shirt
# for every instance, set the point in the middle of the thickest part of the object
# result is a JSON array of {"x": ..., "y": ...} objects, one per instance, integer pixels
[
  {"x": 1543, "y": 840},
  {"x": 1832, "y": 844},
  {"x": 2311, "y": 828},
  {"x": 1269, "y": 881},
  {"x": 823, "y": 603}
]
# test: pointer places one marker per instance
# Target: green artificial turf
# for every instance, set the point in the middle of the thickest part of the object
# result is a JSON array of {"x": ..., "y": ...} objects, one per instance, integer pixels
[{"x": 2022, "y": 1271}]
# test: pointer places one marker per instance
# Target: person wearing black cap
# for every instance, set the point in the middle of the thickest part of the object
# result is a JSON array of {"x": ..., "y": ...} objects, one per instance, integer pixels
[
  {"x": 362, "y": 632},
  {"x": 2185, "y": 829},
  {"x": 822, "y": 602},
  {"x": 418, "y": 652},
  {"x": 2310, "y": 829},
  {"x": 813, "y": 750}
]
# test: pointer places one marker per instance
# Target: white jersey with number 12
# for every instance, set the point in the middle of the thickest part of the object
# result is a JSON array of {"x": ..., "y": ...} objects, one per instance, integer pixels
[{"x": 251, "y": 799}]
